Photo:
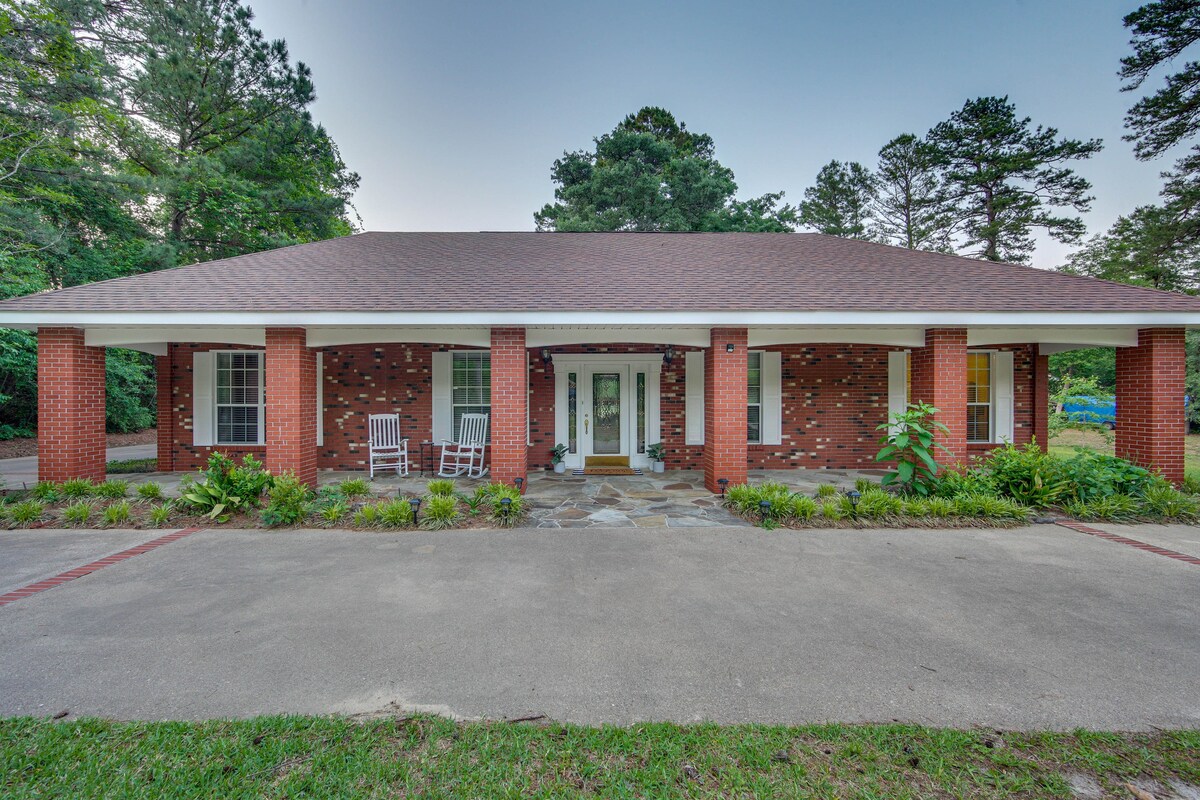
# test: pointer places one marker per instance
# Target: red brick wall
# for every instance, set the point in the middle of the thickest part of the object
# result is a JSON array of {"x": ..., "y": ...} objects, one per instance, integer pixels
[
  {"x": 291, "y": 394},
  {"x": 1150, "y": 410},
  {"x": 179, "y": 427},
  {"x": 71, "y": 441},
  {"x": 510, "y": 395},
  {"x": 1040, "y": 382},
  {"x": 939, "y": 378},
  {"x": 725, "y": 448},
  {"x": 166, "y": 433}
]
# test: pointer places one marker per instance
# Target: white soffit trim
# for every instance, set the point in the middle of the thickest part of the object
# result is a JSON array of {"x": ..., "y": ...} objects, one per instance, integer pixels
[
  {"x": 465, "y": 337},
  {"x": 898, "y": 337},
  {"x": 642, "y": 319},
  {"x": 1081, "y": 336},
  {"x": 128, "y": 336},
  {"x": 542, "y": 336}
]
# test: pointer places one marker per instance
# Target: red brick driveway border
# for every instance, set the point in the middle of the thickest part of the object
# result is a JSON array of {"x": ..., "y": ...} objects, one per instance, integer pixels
[
  {"x": 87, "y": 569},
  {"x": 1112, "y": 537}
]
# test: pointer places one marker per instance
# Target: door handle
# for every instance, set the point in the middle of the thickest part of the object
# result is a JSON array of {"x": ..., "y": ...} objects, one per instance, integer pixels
[{"x": 585, "y": 423}]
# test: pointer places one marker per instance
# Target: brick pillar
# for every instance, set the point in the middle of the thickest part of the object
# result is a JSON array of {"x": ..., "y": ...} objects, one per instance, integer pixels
[
  {"x": 166, "y": 416},
  {"x": 71, "y": 399},
  {"x": 939, "y": 378},
  {"x": 725, "y": 423},
  {"x": 291, "y": 386},
  {"x": 1150, "y": 392},
  {"x": 510, "y": 398},
  {"x": 1041, "y": 398}
]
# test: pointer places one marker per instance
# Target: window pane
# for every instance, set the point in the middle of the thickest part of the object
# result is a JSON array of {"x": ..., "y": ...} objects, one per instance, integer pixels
[
  {"x": 641, "y": 412},
  {"x": 572, "y": 409},
  {"x": 754, "y": 428},
  {"x": 978, "y": 424}
]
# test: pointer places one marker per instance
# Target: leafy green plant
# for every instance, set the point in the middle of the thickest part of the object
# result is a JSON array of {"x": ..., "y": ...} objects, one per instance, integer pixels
[
  {"x": 111, "y": 490},
  {"x": 474, "y": 501},
  {"x": 160, "y": 515},
  {"x": 827, "y": 490},
  {"x": 940, "y": 507},
  {"x": 803, "y": 508},
  {"x": 558, "y": 453},
  {"x": 441, "y": 487},
  {"x": 961, "y": 481},
  {"x": 1091, "y": 475},
  {"x": 440, "y": 511},
  {"x": 1027, "y": 475},
  {"x": 26, "y": 512},
  {"x": 78, "y": 513},
  {"x": 248, "y": 480},
  {"x": 878, "y": 504},
  {"x": 1163, "y": 500},
  {"x": 1191, "y": 483},
  {"x": 150, "y": 491},
  {"x": 116, "y": 514},
  {"x": 211, "y": 501},
  {"x": 46, "y": 491},
  {"x": 354, "y": 487},
  {"x": 863, "y": 485},
  {"x": 396, "y": 513},
  {"x": 225, "y": 487},
  {"x": 332, "y": 513},
  {"x": 505, "y": 514},
  {"x": 76, "y": 488},
  {"x": 288, "y": 501},
  {"x": 834, "y": 510},
  {"x": 656, "y": 452},
  {"x": 1113, "y": 508},
  {"x": 909, "y": 440},
  {"x": 917, "y": 507},
  {"x": 367, "y": 516},
  {"x": 131, "y": 465},
  {"x": 990, "y": 507}
]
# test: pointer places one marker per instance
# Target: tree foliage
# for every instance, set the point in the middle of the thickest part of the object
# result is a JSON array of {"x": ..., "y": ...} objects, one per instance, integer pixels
[
  {"x": 839, "y": 203},
  {"x": 142, "y": 134},
  {"x": 911, "y": 205},
  {"x": 1006, "y": 179},
  {"x": 651, "y": 173}
]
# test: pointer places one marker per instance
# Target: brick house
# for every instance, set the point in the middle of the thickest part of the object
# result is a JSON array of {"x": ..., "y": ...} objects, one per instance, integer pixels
[{"x": 734, "y": 351}]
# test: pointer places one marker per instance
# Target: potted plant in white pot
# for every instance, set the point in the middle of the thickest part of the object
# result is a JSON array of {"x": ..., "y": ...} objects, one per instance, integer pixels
[
  {"x": 557, "y": 453},
  {"x": 657, "y": 455}
]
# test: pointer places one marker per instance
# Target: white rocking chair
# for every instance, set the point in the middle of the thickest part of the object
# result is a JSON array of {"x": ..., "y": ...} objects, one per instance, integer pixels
[
  {"x": 465, "y": 457},
  {"x": 386, "y": 447}
]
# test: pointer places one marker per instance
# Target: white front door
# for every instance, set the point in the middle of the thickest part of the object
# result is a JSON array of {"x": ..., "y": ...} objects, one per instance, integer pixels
[{"x": 607, "y": 405}]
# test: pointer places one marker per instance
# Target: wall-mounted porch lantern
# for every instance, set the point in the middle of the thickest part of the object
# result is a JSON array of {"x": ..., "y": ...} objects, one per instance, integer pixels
[
  {"x": 669, "y": 355},
  {"x": 729, "y": 347},
  {"x": 546, "y": 356}
]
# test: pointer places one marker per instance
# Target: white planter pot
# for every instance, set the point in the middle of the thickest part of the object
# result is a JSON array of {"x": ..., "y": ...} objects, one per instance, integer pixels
[
  {"x": 560, "y": 468},
  {"x": 657, "y": 466}
]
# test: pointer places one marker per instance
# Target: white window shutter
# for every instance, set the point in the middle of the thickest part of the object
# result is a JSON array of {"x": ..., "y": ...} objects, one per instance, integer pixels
[
  {"x": 443, "y": 416},
  {"x": 772, "y": 397},
  {"x": 320, "y": 400},
  {"x": 1002, "y": 387},
  {"x": 202, "y": 399},
  {"x": 897, "y": 383},
  {"x": 693, "y": 375}
]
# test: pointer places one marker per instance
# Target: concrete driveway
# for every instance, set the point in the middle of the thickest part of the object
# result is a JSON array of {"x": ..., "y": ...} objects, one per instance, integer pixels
[{"x": 1038, "y": 627}]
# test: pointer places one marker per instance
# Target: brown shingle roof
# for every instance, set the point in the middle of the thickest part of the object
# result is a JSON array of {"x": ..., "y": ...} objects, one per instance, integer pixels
[{"x": 601, "y": 272}]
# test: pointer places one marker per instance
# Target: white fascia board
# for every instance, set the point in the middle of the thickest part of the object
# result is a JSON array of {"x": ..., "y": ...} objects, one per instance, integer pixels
[
  {"x": 896, "y": 337},
  {"x": 456, "y": 335},
  {"x": 542, "y": 336},
  {"x": 1082, "y": 336},
  {"x": 128, "y": 336},
  {"x": 642, "y": 319}
]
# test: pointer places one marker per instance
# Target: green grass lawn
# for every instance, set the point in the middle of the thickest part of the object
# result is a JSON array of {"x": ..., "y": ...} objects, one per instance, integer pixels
[
  {"x": 1065, "y": 442},
  {"x": 422, "y": 756}
]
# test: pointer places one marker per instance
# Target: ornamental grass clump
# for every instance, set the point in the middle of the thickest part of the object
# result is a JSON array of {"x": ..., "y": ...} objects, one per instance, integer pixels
[
  {"x": 440, "y": 511},
  {"x": 76, "y": 488},
  {"x": 395, "y": 513},
  {"x": 117, "y": 513},
  {"x": 26, "y": 512},
  {"x": 1111, "y": 508},
  {"x": 827, "y": 490},
  {"x": 367, "y": 517},
  {"x": 877, "y": 504},
  {"x": 78, "y": 513},
  {"x": 111, "y": 490},
  {"x": 160, "y": 515},
  {"x": 834, "y": 510},
  {"x": 46, "y": 491},
  {"x": 1163, "y": 500},
  {"x": 504, "y": 514},
  {"x": 152, "y": 492},
  {"x": 332, "y": 513},
  {"x": 441, "y": 487},
  {"x": 354, "y": 487}
]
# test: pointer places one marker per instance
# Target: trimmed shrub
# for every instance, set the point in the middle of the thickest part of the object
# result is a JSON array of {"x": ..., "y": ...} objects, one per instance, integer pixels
[
  {"x": 1027, "y": 475},
  {"x": 441, "y": 487},
  {"x": 440, "y": 511},
  {"x": 150, "y": 491},
  {"x": 116, "y": 514},
  {"x": 354, "y": 487}
]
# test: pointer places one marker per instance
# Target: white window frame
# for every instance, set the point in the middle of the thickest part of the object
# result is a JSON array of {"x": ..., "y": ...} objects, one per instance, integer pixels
[
  {"x": 454, "y": 354},
  {"x": 991, "y": 403},
  {"x": 262, "y": 398},
  {"x": 760, "y": 405}
]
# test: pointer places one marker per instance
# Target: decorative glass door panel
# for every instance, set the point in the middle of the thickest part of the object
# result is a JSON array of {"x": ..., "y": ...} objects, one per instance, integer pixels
[{"x": 606, "y": 413}]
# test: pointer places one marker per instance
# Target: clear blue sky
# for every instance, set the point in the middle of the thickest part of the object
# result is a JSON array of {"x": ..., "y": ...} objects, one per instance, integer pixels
[{"x": 453, "y": 112}]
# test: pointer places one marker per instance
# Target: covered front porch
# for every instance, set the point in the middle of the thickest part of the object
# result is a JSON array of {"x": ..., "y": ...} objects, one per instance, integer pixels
[{"x": 720, "y": 400}]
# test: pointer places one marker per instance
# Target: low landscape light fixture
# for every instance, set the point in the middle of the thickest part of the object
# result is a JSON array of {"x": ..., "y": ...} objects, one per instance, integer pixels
[
  {"x": 520, "y": 482},
  {"x": 415, "y": 504},
  {"x": 505, "y": 506},
  {"x": 723, "y": 482},
  {"x": 546, "y": 357},
  {"x": 729, "y": 347},
  {"x": 854, "y": 496},
  {"x": 669, "y": 355},
  {"x": 764, "y": 508}
]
